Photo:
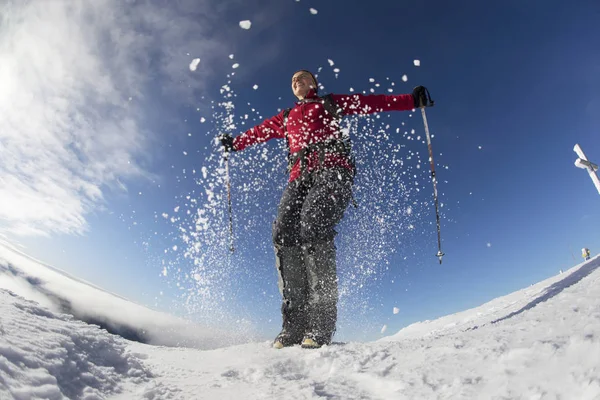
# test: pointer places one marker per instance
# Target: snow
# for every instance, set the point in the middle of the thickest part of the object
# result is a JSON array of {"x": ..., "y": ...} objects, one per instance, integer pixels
[
  {"x": 246, "y": 24},
  {"x": 313, "y": 11},
  {"x": 255, "y": 87},
  {"x": 236, "y": 65},
  {"x": 404, "y": 78},
  {"x": 396, "y": 310},
  {"x": 194, "y": 64},
  {"x": 59, "y": 291},
  {"x": 417, "y": 63},
  {"x": 51, "y": 355},
  {"x": 540, "y": 342}
]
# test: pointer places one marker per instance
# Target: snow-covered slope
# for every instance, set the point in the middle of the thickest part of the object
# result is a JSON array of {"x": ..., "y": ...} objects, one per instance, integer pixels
[
  {"x": 62, "y": 293},
  {"x": 499, "y": 309},
  {"x": 542, "y": 342},
  {"x": 46, "y": 355}
]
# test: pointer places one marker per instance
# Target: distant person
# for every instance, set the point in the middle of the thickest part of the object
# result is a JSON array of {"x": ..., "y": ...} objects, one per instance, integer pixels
[
  {"x": 321, "y": 170},
  {"x": 585, "y": 253}
]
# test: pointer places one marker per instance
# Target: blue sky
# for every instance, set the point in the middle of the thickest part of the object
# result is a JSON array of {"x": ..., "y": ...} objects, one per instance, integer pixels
[{"x": 115, "y": 140}]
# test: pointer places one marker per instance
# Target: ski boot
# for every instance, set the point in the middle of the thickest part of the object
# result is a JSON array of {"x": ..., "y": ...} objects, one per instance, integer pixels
[
  {"x": 286, "y": 339},
  {"x": 312, "y": 341}
]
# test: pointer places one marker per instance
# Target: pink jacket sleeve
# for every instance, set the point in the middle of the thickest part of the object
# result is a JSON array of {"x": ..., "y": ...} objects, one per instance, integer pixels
[
  {"x": 368, "y": 104},
  {"x": 271, "y": 128}
]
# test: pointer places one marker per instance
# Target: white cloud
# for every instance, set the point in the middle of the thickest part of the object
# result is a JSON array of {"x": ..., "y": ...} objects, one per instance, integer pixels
[{"x": 74, "y": 77}]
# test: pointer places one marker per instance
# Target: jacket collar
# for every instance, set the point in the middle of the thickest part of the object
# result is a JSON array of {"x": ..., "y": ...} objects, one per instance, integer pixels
[{"x": 310, "y": 97}]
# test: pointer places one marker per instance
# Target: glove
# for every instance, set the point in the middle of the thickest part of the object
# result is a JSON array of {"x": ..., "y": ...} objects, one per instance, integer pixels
[
  {"x": 227, "y": 142},
  {"x": 421, "y": 97}
]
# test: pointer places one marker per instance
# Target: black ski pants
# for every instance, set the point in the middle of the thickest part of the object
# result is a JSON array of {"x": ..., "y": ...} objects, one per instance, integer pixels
[
  {"x": 311, "y": 207},
  {"x": 303, "y": 235}
]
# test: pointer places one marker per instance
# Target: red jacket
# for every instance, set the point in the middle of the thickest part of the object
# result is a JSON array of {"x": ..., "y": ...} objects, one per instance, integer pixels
[{"x": 309, "y": 123}]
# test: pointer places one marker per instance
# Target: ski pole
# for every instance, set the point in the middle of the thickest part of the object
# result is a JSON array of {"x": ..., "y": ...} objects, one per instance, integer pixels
[
  {"x": 226, "y": 157},
  {"x": 439, "y": 254}
]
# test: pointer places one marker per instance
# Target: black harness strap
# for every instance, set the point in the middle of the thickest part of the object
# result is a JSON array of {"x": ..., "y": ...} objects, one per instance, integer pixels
[
  {"x": 337, "y": 145},
  {"x": 330, "y": 146}
]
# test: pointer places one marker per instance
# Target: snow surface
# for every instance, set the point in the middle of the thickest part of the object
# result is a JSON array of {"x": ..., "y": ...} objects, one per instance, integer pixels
[
  {"x": 541, "y": 342},
  {"x": 60, "y": 292}
]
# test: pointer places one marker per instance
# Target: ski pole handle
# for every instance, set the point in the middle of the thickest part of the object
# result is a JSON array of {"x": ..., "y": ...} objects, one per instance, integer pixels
[{"x": 421, "y": 97}]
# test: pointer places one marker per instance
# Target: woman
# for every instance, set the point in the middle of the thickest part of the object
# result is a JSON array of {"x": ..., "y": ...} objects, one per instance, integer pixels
[{"x": 318, "y": 192}]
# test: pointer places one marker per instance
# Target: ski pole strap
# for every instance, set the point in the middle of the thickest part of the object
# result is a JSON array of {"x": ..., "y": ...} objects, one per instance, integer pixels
[{"x": 430, "y": 102}]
